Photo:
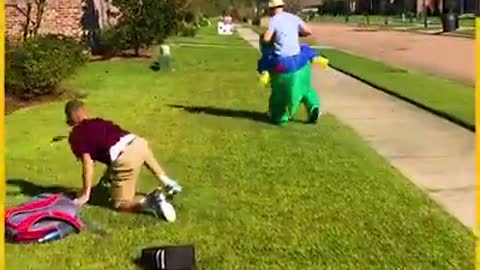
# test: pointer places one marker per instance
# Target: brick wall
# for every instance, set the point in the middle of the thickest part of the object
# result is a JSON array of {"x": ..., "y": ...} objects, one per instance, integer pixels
[{"x": 60, "y": 17}]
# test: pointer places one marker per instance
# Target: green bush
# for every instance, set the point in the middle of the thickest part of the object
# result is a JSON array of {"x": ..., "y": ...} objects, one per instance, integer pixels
[
  {"x": 37, "y": 66},
  {"x": 187, "y": 29},
  {"x": 308, "y": 15},
  {"x": 205, "y": 22},
  {"x": 106, "y": 42},
  {"x": 144, "y": 23},
  {"x": 75, "y": 51}
]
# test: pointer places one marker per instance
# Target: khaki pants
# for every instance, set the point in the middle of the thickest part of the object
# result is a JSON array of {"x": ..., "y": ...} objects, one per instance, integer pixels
[{"x": 124, "y": 171}]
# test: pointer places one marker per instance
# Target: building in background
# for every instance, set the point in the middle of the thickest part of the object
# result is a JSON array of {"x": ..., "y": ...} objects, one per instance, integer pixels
[{"x": 72, "y": 18}]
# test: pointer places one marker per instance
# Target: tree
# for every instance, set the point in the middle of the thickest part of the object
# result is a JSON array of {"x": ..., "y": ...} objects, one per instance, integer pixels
[
  {"x": 144, "y": 22},
  {"x": 293, "y": 6},
  {"x": 425, "y": 13},
  {"x": 183, "y": 9},
  {"x": 450, "y": 6},
  {"x": 386, "y": 10},
  {"x": 408, "y": 9},
  {"x": 348, "y": 10},
  {"x": 31, "y": 26}
]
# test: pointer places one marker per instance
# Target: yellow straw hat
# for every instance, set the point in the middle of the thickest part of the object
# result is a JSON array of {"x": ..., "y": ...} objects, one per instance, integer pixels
[{"x": 275, "y": 3}]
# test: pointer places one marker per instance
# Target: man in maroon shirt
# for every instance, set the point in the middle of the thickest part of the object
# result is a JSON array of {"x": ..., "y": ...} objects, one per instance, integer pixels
[{"x": 98, "y": 140}]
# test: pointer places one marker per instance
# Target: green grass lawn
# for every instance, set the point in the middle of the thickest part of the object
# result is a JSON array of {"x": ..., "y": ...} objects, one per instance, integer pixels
[
  {"x": 256, "y": 196},
  {"x": 210, "y": 38},
  {"x": 452, "y": 99},
  {"x": 467, "y": 32}
]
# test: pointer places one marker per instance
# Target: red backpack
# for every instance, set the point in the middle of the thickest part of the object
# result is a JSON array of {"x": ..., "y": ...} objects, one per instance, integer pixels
[{"x": 44, "y": 218}]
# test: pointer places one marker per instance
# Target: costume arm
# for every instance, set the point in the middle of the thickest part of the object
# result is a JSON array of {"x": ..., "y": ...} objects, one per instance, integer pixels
[
  {"x": 262, "y": 65},
  {"x": 268, "y": 35}
]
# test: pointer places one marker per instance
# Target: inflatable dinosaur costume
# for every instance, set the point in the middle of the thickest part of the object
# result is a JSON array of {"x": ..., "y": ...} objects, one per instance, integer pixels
[{"x": 291, "y": 83}]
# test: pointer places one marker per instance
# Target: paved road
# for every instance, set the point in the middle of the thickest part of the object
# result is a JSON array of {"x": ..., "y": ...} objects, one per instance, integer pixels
[
  {"x": 436, "y": 155},
  {"x": 445, "y": 56}
]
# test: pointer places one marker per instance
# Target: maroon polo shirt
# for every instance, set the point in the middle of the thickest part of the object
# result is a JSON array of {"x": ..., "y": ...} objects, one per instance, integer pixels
[{"x": 95, "y": 137}]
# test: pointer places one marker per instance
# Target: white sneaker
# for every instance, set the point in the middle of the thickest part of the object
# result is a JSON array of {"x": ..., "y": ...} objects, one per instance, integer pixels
[
  {"x": 156, "y": 202},
  {"x": 167, "y": 209}
]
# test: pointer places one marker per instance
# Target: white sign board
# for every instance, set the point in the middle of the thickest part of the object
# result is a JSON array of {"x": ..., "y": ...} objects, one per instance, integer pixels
[{"x": 225, "y": 28}]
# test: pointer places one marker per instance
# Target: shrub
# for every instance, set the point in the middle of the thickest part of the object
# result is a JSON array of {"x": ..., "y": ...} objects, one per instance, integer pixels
[
  {"x": 75, "y": 51},
  {"x": 308, "y": 15},
  {"x": 144, "y": 23},
  {"x": 38, "y": 65},
  {"x": 106, "y": 42},
  {"x": 187, "y": 29},
  {"x": 205, "y": 22}
]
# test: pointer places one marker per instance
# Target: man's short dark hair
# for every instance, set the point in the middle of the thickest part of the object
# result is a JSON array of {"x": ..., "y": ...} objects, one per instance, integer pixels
[{"x": 71, "y": 107}]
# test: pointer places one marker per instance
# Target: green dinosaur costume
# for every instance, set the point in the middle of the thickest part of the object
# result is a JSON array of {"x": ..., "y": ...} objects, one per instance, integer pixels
[{"x": 291, "y": 89}]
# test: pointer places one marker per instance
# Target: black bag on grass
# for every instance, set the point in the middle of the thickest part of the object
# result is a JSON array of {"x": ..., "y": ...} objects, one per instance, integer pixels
[{"x": 169, "y": 258}]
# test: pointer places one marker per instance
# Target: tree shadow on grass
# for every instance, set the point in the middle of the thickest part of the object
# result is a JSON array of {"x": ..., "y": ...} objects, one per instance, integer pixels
[
  {"x": 155, "y": 66},
  {"x": 118, "y": 56},
  {"x": 224, "y": 112}
]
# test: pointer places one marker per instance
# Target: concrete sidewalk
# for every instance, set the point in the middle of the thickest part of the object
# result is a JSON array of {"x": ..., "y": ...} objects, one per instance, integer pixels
[{"x": 436, "y": 155}]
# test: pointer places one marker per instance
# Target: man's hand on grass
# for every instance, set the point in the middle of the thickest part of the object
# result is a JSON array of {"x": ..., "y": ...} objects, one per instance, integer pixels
[
  {"x": 83, "y": 199},
  {"x": 87, "y": 175}
]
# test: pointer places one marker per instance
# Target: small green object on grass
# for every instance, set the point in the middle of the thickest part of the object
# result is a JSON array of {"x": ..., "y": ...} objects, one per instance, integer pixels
[{"x": 164, "y": 62}]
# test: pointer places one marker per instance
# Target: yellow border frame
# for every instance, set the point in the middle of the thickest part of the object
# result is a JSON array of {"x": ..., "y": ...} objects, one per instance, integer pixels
[
  {"x": 477, "y": 138},
  {"x": 2, "y": 134}
]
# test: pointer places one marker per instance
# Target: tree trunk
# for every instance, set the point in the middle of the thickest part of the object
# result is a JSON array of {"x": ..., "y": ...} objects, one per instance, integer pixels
[
  {"x": 26, "y": 27},
  {"x": 347, "y": 11},
  {"x": 386, "y": 11},
  {"x": 425, "y": 14},
  {"x": 136, "y": 45},
  {"x": 40, "y": 5}
]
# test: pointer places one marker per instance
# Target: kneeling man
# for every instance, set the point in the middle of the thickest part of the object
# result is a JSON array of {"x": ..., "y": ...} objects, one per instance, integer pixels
[{"x": 124, "y": 153}]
